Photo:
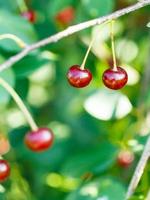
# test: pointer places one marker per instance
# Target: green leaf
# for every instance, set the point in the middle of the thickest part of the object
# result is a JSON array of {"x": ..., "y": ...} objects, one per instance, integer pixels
[
  {"x": 97, "y": 8},
  {"x": 9, "y": 76},
  {"x": 28, "y": 65},
  {"x": 94, "y": 160},
  {"x": 18, "y": 26},
  {"x": 16, "y": 137},
  {"x": 9, "y": 5},
  {"x": 99, "y": 189},
  {"x": 22, "y": 87}
]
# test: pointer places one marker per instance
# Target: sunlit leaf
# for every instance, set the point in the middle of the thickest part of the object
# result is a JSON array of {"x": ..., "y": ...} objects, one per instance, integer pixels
[
  {"x": 106, "y": 104},
  {"x": 126, "y": 50},
  {"x": 133, "y": 75},
  {"x": 148, "y": 25}
]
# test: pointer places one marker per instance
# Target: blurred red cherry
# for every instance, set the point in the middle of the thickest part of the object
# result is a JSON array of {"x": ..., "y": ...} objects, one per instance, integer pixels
[
  {"x": 125, "y": 158},
  {"x": 65, "y": 16},
  {"x": 29, "y": 15}
]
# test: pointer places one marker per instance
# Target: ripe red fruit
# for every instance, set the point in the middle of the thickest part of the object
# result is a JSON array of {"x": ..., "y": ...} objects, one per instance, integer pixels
[
  {"x": 65, "y": 16},
  {"x": 78, "y": 77},
  {"x": 39, "y": 140},
  {"x": 4, "y": 170},
  {"x": 125, "y": 158},
  {"x": 115, "y": 79},
  {"x": 29, "y": 15}
]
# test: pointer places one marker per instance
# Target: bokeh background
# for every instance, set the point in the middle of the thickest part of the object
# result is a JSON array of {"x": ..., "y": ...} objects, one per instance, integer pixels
[{"x": 91, "y": 125}]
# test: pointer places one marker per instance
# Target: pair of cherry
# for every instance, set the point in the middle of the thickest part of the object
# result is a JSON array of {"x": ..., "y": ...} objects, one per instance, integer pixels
[{"x": 113, "y": 78}]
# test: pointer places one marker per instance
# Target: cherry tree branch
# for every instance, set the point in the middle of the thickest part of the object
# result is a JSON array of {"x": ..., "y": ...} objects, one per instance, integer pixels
[{"x": 71, "y": 30}]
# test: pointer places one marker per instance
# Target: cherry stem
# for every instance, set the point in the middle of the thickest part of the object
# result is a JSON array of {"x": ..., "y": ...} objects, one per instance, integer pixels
[
  {"x": 20, "y": 104},
  {"x": 22, "y": 5},
  {"x": 113, "y": 47},
  {"x": 19, "y": 41},
  {"x": 86, "y": 55},
  {"x": 88, "y": 51}
]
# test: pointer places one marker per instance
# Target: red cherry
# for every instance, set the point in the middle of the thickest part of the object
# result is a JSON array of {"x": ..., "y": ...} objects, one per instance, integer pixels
[
  {"x": 29, "y": 15},
  {"x": 78, "y": 77},
  {"x": 115, "y": 79},
  {"x": 125, "y": 158},
  {"x": 65, "y": 16},
  {"x": 39, "y": 140},
  {"x": 4, "y": 170}
]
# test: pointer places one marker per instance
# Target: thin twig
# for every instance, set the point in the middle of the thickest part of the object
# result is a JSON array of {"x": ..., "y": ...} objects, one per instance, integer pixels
[
  {"x": 71, "y": 30},
  {"x": 16, "y": 39},
  {"x": 86, "y": 55},
  {"x": 20, "y": 104},
  {"x": 113, "y": 46}
]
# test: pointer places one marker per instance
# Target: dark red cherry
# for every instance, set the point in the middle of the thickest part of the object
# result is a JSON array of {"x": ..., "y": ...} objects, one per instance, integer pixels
[
  {"x": 39, "y": 140},
  {"x": 65, "y": 16},
  {"x": 78, "y": 77},
  {"x": 125, "y": 158},
  {"x": 4, "y": 170},
  {"x": 29, "y": 15},
  {"x": 115, "y": 79}
]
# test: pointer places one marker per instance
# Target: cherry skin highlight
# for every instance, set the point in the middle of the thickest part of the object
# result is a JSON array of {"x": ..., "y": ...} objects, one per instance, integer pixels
[
  {"x": 125, "y": 158},
  {"x": 65, "y": 16},
  {"x": 4, "y": 170},
  {"x": 115, "y": 79},
  {"x": 29, "y": 15},
  {"x": 39, "y": 140},
  {"x": 78, "y": 77}
]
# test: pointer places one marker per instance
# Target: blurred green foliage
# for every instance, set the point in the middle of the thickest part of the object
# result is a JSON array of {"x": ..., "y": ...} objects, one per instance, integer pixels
[{"x": 91, "y": 125}]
